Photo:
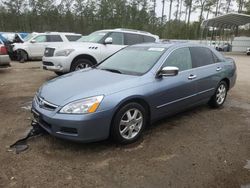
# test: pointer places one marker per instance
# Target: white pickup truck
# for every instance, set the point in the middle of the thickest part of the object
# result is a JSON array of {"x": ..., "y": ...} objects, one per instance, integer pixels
[{"x": 91, "y": 49}]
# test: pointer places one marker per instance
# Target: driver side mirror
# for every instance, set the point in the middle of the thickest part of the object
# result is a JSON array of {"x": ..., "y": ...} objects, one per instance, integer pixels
[
  {"x": 33, "y": 41},
  {"x": 108, "y": 40},
  {"x": 167, "y": 71}
]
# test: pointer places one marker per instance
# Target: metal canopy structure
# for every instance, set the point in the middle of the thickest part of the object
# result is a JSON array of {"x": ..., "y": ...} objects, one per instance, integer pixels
[{"x": 228, "y": 21}]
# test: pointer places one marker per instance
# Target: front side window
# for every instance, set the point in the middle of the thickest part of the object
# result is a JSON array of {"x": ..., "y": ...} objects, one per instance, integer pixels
[
  {"x": 131, "y": 39},
  {"x": 117, "y": 38},
  {"x": 94, "y": 37},
  {"x": 201, "y": 56},
  {"x": 180, "y": 58},
  {"x": 133, "y": 60},
  {"x": 54, "y": 38},
  {"x": 41, "y": 38}
]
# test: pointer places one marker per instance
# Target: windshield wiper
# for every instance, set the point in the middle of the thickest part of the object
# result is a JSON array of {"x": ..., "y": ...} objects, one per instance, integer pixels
[{"x": 112, "y": 70}]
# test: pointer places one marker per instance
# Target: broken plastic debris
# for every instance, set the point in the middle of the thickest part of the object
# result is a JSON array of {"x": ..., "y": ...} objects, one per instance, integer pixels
[{"x": 21, "y": 144}]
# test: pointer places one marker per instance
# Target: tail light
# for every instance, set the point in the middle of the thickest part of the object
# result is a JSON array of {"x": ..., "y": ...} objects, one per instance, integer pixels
[{"x": 3, "y": 50}]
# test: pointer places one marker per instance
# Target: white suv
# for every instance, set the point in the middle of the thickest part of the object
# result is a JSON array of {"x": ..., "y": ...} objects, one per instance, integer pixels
[
  {"x": 35, "y": 43},
  {"x": 92, "y": 49}
]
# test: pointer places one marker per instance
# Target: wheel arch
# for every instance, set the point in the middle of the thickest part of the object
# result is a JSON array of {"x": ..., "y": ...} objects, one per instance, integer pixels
[
  {"x": 84, "y": 56},
  {"x": 227, "y": 82},
  {"x": 21, "y": 49},
  {"x": 137, "y": 99}
]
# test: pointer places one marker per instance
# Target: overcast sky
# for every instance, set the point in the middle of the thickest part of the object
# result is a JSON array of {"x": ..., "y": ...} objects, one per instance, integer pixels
[{"x": 194, "y": 15}]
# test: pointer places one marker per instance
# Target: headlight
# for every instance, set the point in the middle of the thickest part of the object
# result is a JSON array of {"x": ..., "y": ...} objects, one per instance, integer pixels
[
  {"x": 83, "y": 106},
  {"x": 64, "y": 52}
]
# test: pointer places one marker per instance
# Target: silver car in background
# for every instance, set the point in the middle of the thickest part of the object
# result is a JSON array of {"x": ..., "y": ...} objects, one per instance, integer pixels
[{"x": 134, "y": 87}]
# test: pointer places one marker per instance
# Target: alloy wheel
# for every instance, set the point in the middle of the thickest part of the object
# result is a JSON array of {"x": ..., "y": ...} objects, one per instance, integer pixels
[
  {"x": 131, "y": 123},
  {"x": 221, "y": 94}
]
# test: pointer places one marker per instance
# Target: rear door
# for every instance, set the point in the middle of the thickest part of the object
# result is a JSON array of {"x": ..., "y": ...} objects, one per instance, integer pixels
[
  {"x": 208, "y": 69},
  {"x": 176, "y": 92},
  {"x": 53, "y": 41}
]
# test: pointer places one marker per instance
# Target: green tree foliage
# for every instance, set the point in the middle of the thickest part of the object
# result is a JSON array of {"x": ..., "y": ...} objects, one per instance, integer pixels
[{"x": 85, "y": 16}]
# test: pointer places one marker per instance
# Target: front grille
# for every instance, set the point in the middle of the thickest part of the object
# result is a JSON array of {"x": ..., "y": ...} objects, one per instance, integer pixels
[
  {"x": 49, "y": 52},
  {"x": 46, "y": 105},
  {"x": 48, "y": 63}
]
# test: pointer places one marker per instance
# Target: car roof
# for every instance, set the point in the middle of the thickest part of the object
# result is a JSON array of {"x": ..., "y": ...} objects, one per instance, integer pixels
[
  {"x": 169, "y": 44},
  {"x": 125, "y": 30},
  {"x": 56, "y": 33}
]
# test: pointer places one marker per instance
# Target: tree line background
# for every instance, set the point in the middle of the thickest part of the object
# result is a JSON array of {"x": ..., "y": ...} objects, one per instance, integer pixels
[{"x": 85, "y": 16}]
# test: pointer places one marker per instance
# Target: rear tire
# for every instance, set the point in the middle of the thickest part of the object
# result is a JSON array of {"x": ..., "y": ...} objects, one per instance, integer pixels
[
  {"x": 128, "y": 123},
  {"x": 81, "y": 64},
  {"x": 219, "y": 96}
]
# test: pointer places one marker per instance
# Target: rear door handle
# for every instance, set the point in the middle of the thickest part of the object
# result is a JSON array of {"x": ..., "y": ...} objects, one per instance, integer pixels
[
  {"x": 218, "y": 69},
  {"x": 191, "y": 77}
]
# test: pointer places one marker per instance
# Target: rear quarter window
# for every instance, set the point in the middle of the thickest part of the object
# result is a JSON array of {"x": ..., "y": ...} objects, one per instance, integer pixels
[
  {"x": 148, "y": 39},
  {"x": 201, "y": 56},
  {"x": 131, "y": 39},
  {"x": 73, "y": 37}
]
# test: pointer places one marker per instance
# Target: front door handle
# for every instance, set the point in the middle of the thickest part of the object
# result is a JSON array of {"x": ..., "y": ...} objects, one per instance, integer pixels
[
  {"x": 191, "y": 77},
  {"x": 218, "y": 69}
]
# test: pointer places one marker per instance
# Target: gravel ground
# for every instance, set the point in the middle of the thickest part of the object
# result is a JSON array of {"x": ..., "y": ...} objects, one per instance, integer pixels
[{"x": 203, "y": 147}]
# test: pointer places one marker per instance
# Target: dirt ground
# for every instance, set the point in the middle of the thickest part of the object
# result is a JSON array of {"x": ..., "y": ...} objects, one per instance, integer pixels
[{"x": 203, "y": 147}]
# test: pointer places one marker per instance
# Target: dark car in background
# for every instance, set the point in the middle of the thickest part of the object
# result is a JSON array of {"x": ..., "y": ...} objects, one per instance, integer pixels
[{"x": 134, "y": 87}]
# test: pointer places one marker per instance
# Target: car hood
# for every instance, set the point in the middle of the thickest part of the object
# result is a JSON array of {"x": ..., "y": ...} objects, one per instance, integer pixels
[
  {"x": 75, "y": 45},
  {"x": 85, "y": 83}
]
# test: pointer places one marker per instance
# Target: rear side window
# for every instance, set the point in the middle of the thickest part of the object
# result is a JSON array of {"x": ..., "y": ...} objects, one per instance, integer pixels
[
  {"x": 131, "y": 39},
  {"x": 216, "y": 59},
  {"x": 148, "y": 38},
  {"x": 180, "y": 58},
  {"x": 54, "y": 38},
  {"x": 201, "y": 56},
  {"x": 73, "y": 37}
]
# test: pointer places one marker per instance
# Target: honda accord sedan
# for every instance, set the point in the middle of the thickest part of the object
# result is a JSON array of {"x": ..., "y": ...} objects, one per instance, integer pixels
[{"x": 136, "y": 86}]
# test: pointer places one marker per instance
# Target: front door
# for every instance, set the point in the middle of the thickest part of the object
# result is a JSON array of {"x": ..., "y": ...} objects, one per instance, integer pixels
[
  {"x": 38, "y": 46},
  {"x": 175, "y": 93},
  {"x": 117, "y": 44}
]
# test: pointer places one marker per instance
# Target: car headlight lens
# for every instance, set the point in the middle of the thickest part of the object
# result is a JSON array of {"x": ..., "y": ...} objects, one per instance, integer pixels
[
  {"x": 64, "y": 52},
  {"x": 83, "y": 106}
]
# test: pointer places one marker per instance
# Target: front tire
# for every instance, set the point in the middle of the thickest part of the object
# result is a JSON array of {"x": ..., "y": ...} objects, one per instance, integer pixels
[
  {"x": 22, "y": 56},
  {"x": 129, "y": 123},
  {"x": 80, "y": 64},
  {"x": 59, "y": 73},
  {"x": 219, "y": 96}
]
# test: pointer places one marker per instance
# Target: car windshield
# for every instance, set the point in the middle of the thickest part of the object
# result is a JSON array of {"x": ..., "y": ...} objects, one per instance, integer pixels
[
  {"x": 29, "y": 36},
  {"x": 133, "y": 60},
  {"x": 93, "y": 37}
]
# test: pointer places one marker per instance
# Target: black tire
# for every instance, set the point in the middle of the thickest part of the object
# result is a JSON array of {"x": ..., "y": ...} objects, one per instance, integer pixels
[
  {"x": 59, "y": 73},
  {"x": 22, "y": 56},
  {"x": 81, "y": 62},
  {"x": 215, "y": 102},
  {"x": 115, "y": 131}
]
